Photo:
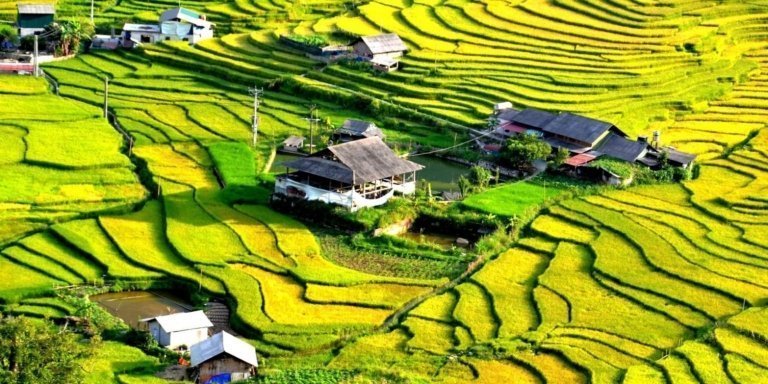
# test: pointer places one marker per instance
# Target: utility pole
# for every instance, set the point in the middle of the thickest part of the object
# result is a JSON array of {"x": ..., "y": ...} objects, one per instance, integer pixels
[
  {"x": 312, "y": 119},
  {"x": 256, "y": 92},
  {"x": 36, "y": 64},
  {"x": 106, "y": 96}
]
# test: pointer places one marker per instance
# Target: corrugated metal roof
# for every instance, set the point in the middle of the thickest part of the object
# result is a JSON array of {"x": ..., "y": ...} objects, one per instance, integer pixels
[
  {"x": 182, "y": 321},
  {"x": 577, "y": 127},
  {"x": 360, "y": 128},
  {"x": 620, "y": 148},
  {"x": 533, "y": 118},
  {"x": 223, "y": 342},
  {"x": 37, "y": 9},
  {"x": 581, "y": 159},
  {"x": 384, "y": 43},
  {"x": 324, "y": 168},
  {"x": 678, "y": 156},
  {"x": 293, "y": 141},
  {"x": 187, "y": 15}
]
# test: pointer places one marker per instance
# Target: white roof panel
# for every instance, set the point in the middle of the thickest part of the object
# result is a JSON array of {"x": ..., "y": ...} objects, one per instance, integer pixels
[
  {"x": 141, "y": 28},
  {"x": 182, "y": 321},
  {"x": 36, "y": 9},
  {"x": 223, "y": 342}
]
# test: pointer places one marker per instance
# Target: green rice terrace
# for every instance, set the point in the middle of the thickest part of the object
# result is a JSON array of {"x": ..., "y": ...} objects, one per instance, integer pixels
[{"x": 659, "y": 283}]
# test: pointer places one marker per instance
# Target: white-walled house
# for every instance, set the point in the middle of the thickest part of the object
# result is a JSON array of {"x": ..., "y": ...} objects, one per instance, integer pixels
[
  {"x": 173, "y": 331},
  {"x": 223, "y": 357},
  {"x": 177, "y": 24},
  {"x": 357, "y": 174}
]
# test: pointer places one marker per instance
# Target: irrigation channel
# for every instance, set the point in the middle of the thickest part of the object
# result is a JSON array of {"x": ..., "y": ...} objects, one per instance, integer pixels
[{"x": 442, "y": 174}]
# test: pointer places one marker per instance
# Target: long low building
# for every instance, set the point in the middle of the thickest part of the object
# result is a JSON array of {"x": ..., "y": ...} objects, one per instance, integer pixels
[
  {"x": 586, "y": 139},
  {"x": 358, "y": 174},
  {"x": 177, "y": 24}
]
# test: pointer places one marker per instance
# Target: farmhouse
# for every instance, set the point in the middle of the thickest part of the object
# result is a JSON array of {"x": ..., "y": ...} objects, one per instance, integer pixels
[
  {"x": 379, "y": 47},
  {"x": 177, "y": 24},
  {"x": 355, "y": 130},
  {"x": 34, "y": 17},
  {"x": 586, "y": 139},
  {"x": 173, "y": 331},
  {"x": 223, "y": 358},
  {"x": 357, "y": 174}
]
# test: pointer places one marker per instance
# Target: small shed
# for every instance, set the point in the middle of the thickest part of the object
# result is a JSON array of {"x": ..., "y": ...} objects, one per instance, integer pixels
[
  {"x": 679, "y": 158},
  {"x": 355, "y": 130},
  {"x": 223, "y": 358},
  {"x": 384, "y": 64},
  {"x": 293, "y": 143},
  {"x": 34, "y": 17},
  {"x": 503, "y": 106},
  {"x": 173, "y": 331},
  {"x": 387, "y": 45}
]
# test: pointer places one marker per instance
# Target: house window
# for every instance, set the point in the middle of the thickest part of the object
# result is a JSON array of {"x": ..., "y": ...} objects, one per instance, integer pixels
[
  {"x": 145, "y": 39},
  {"x": 167, "y": 38}
]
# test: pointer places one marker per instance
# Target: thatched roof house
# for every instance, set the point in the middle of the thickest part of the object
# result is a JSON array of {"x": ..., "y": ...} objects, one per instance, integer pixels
[{"x": 356, "y": 174}]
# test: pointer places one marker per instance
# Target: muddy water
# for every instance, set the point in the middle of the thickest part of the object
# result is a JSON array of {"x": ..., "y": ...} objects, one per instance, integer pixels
[
  {"x": 132, "y": 306},
  {"x": 443, "y": 241}
]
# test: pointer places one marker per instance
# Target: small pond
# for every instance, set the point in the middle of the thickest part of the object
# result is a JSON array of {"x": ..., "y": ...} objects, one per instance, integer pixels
[
  {"x": 442, "y": 174},
  {"x": 443, "y": 241},
  {"x": 280, "y": 158},
  {"x": 133, "y": 306}
]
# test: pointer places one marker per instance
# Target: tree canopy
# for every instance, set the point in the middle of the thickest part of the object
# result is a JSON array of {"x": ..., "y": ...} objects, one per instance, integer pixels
[
  {"x": 521, "y": 151},
  {"x": 35, "y": 351}
]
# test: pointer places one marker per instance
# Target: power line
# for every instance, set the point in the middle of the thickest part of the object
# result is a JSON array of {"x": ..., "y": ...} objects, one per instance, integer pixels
[{"x": 452, "y": 147}]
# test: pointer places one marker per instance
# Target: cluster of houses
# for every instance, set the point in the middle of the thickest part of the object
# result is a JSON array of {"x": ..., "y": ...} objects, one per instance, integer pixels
[
  {"x": 177, "y": 24},
  {"x": 221, "y": 358},
  {"x": 585, "y": 139}
]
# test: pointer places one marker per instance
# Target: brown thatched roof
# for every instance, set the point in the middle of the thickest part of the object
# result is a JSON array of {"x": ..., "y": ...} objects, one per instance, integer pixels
[{"x": 355, "y": 162}]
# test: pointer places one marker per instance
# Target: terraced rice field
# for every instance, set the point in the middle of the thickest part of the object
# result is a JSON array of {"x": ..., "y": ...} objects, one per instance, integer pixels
[{"x": 651, "y": 284}]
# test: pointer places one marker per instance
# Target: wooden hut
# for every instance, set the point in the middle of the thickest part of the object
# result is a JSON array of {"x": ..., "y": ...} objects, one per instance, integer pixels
[
  {"x": 223, "y": 358},
  {"x": 357, "y": 174},
  {"x": 293, "y": 144}
]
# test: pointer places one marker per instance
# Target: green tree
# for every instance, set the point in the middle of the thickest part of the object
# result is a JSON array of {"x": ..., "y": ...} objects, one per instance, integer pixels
[
  {"x": 68, "y": 35},
  {"x": 561, "y": 155},
  {"x": 480, "y": 177},
  {"x": 465, "y": 186},
  {"x": 8, "y": 33},
  {"x": 33, "y": 351},
  {"x": 522, "y": 150}
]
